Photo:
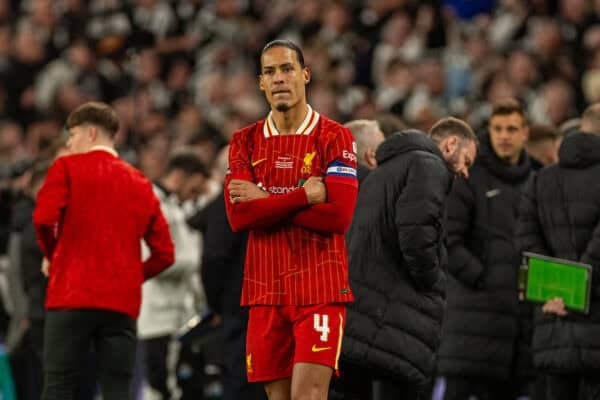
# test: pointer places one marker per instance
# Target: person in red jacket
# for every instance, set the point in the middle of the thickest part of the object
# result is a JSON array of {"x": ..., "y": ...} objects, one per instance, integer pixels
[
  {"x": 90, "y": 216},
  {"x": 292, "y": 183}
]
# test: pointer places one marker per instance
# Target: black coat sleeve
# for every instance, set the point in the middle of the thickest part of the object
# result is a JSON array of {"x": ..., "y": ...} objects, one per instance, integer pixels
[
  {"x": 462, "y": 263},
  {"x": 528, "y": 231},
  {"x": 419, "y": 217}
]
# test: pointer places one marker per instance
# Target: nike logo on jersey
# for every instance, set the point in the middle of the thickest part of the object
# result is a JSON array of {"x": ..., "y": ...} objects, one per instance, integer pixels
[
  {"x": 255, "y": 163},
  {"x": 316, "y": 349}
]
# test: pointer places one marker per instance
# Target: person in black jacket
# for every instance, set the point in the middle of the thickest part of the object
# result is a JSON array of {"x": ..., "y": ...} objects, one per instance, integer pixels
[
  {"x": 397, "y": 259},
  {"x": 560, "y": 217},
  {"x": 222, "y": 275},
  {"x": 478, "y": 352}
]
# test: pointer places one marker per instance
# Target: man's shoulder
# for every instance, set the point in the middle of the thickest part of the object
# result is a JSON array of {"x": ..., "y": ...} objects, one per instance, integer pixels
[
  {"x": 327, "y": 126},
  {"x": 119, "y": 167},
  {"x": 249, "y": 130}
]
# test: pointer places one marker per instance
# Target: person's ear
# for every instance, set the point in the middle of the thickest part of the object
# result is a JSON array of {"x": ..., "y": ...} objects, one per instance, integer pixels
[
  {"x": 261, "y": 86},
  {"x": 92, "y": 133},
  {"x": 370, "y": 157},
  {"x": 449, "y": 145},
  {"x": 306, "y": 75}
]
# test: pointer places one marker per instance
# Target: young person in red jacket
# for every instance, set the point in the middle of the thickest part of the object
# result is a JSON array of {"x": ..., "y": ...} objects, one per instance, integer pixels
[
  {"x": 90, "y": 216},
  {"x": 292, "y": 183}
]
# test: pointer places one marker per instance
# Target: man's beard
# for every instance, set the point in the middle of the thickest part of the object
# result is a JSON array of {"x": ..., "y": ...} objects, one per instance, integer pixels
[{"x": 282, "y": 107}]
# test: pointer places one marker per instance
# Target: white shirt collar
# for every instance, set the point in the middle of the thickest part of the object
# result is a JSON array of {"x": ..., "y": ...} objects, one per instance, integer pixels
[
  {"x": 306, "y": 127},
  {"x": 108, "y": 149}
]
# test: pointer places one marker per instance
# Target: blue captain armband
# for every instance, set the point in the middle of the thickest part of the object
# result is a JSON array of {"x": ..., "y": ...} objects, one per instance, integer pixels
[{"x": 340, "y": 169}]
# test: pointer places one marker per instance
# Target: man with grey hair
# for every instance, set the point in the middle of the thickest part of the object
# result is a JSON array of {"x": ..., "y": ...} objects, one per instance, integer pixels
[{"x": 368, "y": 137}]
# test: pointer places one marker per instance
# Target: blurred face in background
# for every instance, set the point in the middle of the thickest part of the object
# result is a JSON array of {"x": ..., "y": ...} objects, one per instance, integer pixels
[
  {"x": 191, "y": 188},
  {"x": 508, "y": 134}
]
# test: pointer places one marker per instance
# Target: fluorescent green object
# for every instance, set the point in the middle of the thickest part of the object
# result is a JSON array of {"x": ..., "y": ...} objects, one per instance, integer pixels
[{"x": 543, "y": 278}]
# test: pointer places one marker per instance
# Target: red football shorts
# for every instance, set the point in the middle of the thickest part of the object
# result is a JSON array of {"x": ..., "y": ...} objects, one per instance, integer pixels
[{"x": 281, "y": 336}]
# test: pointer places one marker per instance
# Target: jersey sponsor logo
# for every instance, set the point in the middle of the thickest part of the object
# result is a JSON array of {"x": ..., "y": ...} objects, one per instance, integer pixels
[
  {"x": 307, "y": 162},
  {"x": 354, "y": 147},
  {"x": 284, "y": 163},
  {"x": 316, "y": 349},
  {"x": 256, "y": 162},
  {"x": 349, "y": 155},
  {"x": 280, "y": 189},
  {"x": 338, "y": 168}
]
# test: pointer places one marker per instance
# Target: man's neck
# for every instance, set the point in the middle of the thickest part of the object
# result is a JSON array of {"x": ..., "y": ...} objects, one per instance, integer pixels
[{"x": 289, "y": 121}]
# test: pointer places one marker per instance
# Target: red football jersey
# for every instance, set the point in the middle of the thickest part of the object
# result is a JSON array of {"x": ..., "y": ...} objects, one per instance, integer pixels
[{"x": 296, "y": 253}]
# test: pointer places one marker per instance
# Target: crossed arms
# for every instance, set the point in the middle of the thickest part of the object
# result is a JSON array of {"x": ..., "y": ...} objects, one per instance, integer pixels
[{"x": 320, "y": 204}]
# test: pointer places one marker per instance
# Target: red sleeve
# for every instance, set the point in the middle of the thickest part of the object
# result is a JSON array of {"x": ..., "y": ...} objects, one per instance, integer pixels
[
  {"x": 257, "y": 213},
  {"x": 333, "y": 216},
  {"x": 158, "y": 239},
  {"x": 50, "y": 202},
  {"x": 341, "y": 182},
  {"x": 262, "y": 213}
]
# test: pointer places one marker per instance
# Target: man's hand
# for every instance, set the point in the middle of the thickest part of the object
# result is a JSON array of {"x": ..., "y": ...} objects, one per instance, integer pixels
[
  {"x": 240, "y": 191},
  {"x": 316, "y": 192},
  {"x": 555, "y": 306},
  {"x": 45, "y": 267}
]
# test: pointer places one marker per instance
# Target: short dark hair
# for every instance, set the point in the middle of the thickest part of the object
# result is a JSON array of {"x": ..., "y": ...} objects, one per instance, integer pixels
[
  {"x": 390, "y": 123},
  {"x": 539, "y": 132},
  {"x": 451, "y": 126},
  {"x": 187, "y": 162},
  {"x": 95, "y": 113},
  {"x": 508, "y": 106},
  {"x": 285, "y": 43}
]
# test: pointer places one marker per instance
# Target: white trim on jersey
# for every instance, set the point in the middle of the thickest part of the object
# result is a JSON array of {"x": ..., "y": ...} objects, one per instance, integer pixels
[{"x": 306, "y": 127}]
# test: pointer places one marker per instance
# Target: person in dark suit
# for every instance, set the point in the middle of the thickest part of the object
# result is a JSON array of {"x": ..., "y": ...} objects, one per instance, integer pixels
[{"x": 90, "y": 217}]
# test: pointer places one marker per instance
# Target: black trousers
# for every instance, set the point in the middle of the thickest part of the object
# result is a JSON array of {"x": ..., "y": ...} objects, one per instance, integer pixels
[
  {"x": 68, "y": 336},
  {"x": 572, "y": 387},
  {"x": 156, "y": 351}
]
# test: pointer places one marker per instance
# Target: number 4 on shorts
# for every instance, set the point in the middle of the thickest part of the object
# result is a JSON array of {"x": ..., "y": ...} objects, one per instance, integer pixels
[{"x": 322, "y": 325}]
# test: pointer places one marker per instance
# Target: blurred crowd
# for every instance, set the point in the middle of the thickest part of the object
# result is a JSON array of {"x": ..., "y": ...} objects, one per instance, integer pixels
[{"x": 182, "y": 73}]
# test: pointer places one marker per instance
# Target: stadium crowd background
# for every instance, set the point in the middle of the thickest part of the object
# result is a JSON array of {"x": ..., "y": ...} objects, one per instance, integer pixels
[{"x": 182, "y": 73}]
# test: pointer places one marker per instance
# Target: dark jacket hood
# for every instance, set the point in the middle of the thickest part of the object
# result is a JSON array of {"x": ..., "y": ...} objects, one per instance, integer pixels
[
  {"x": 579, "y": 150},
  {"x": 405, "y": 141},
  {"x": 504, "y": 171}
]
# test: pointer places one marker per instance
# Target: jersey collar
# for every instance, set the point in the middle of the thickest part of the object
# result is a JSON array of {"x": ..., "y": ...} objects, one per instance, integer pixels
[{"x": 305, "y": 128}]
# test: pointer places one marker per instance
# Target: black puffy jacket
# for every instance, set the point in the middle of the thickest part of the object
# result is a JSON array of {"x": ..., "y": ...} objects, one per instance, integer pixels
[
  {"x": 560, "y": 217},
  {"x": 397, "y": 261},
  {"x": 481, "y": 328}
]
